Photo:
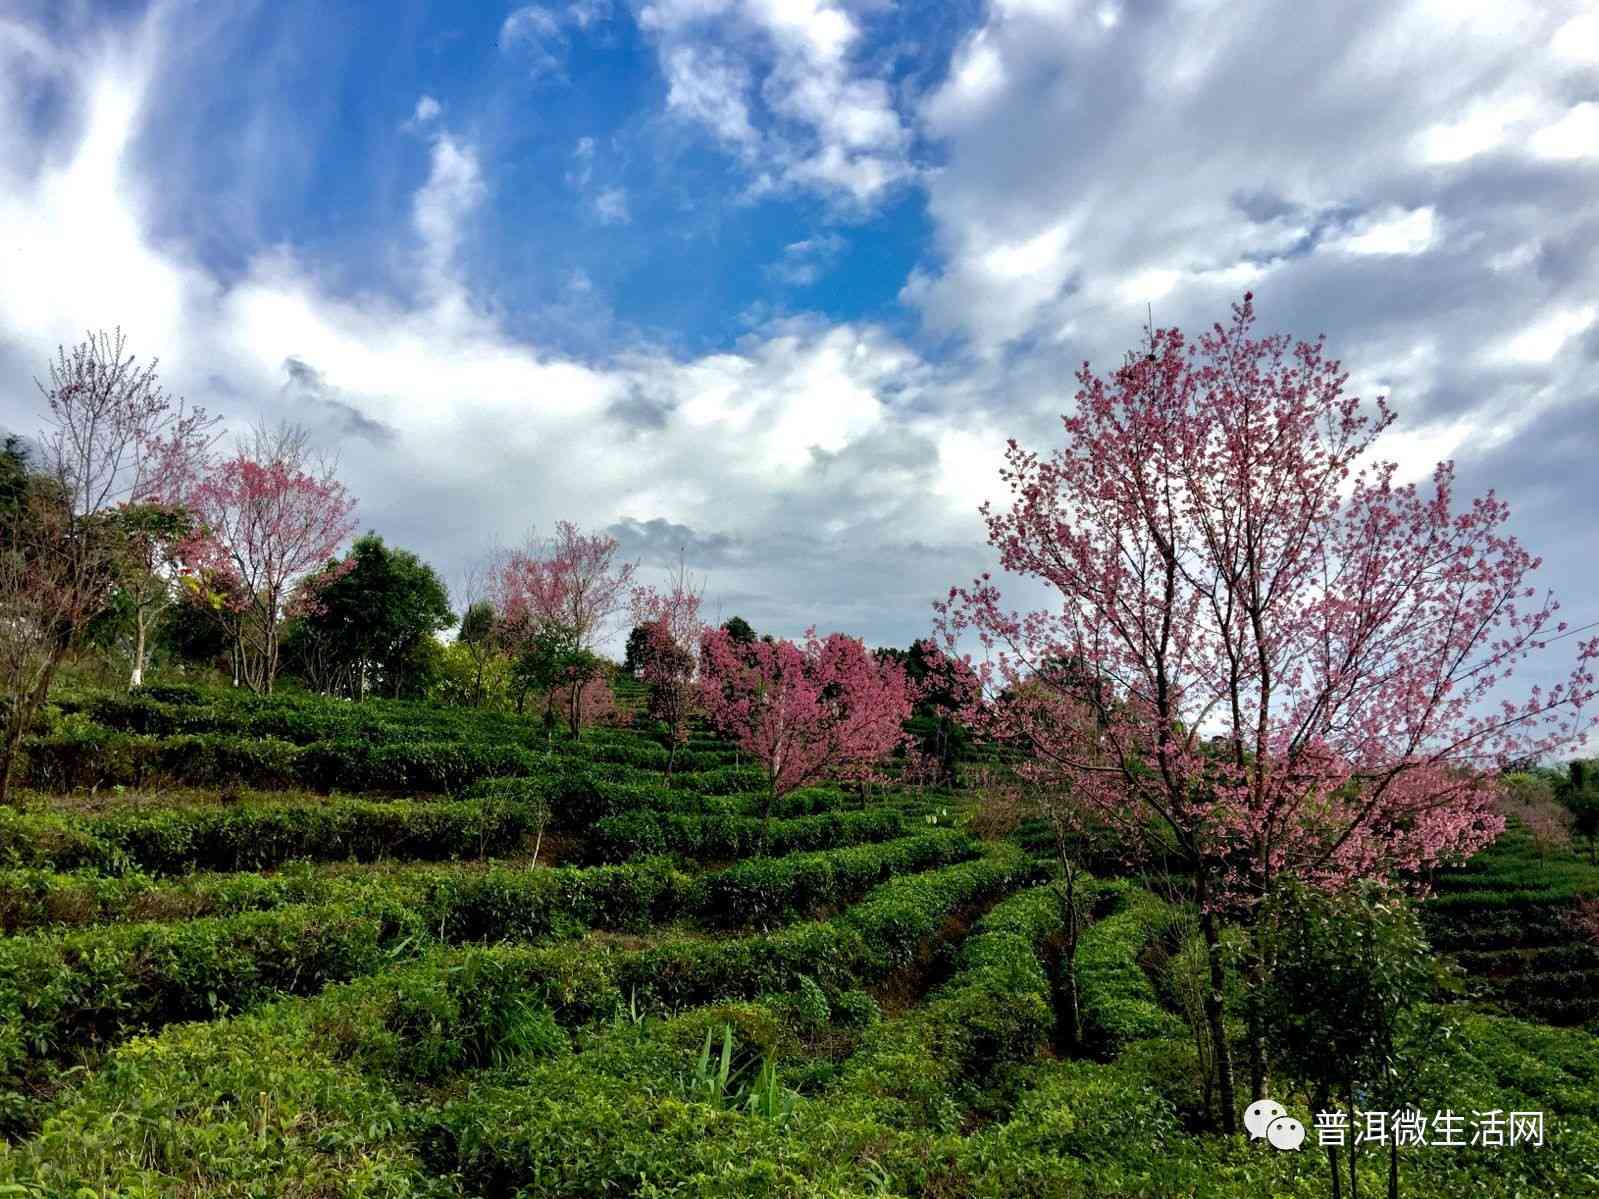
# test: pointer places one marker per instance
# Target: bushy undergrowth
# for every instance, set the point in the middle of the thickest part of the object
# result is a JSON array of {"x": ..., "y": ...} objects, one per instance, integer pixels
[{"x": 381, "y": 1014}]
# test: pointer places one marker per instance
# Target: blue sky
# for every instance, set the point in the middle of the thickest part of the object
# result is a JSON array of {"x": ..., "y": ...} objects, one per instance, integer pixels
[{"x": 772, "y": 281}]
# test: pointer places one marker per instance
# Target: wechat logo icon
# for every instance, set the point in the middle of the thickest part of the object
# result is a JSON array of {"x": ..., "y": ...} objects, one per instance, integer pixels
[{"x": 1267, "y": 1120}]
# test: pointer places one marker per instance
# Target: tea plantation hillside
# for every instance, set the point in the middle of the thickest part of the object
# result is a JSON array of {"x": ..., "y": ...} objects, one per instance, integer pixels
[
  {"x": 1504, "y": 917},
  {"x": 291, "y": 946}
]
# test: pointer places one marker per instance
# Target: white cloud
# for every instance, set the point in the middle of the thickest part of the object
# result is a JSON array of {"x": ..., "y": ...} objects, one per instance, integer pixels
[
  {"x": 1574, "y": 135},
  {"x": 1540, "y": 341},
  {"x": 1486, "y": 125},
  {"x": 454, "y": 188},
  {"x": 789, "y": 65},
  {"x": 1578, "y": 39},
  {"x": 707, "y": 86},
  {"x": 427, "y": 108},
  {"x": 1393, "y": 231},
  {"x": 804, "y": 262},
  {"x": 530, "y": 23},
  {"x": 540, "y": 36},
  {"x": 611, "y": 206}
]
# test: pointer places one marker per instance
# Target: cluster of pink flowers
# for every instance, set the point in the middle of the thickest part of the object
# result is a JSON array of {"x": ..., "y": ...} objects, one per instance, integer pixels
[
  {"x": 1263, "y": 641},
  {"x": 804, "y": 711}
]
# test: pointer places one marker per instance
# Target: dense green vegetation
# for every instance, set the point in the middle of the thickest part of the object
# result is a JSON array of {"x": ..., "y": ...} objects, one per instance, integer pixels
[{"x": 296, "y": 946}]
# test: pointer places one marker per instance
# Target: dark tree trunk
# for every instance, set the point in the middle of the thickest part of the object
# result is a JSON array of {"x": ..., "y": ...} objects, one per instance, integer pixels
[
  {"x": 1255, "y": 971},
  {"x": 1213, "y": 1014}
]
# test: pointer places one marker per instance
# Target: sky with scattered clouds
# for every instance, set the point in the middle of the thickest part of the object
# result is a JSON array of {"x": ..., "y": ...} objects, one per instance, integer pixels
[{"x": 769, "y": 282}]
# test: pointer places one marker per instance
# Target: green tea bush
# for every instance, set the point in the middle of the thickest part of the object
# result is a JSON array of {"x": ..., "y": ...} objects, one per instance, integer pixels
[
  {"x": 1118, "y": 1001},
  {"x": 88, "y": 756},
  {"x": 769, "y": 890},
  {"x": 301, "y": 1092},
  {"x": 885, "y": 931},
  {"x": 719, "y": 780},
  {"x": 53, "y": 840},
  {"x": 712, "y": 837},
  {"x": 256, "y": 835},
  {"x": 64, "y": 995}
]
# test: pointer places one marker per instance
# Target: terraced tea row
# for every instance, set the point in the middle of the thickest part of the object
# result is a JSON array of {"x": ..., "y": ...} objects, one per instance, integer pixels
[
  {"x": 1505, "y": 916},
  {"x": 63, "y": 995}
]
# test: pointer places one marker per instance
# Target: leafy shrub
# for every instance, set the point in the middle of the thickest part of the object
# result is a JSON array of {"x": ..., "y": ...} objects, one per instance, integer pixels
[
  {"x": 767, "y": 890},
  {"x": 855, "y": 1009},
  {"x": 714, "y": 837},
  {"x": 1118, "y": 1001}
]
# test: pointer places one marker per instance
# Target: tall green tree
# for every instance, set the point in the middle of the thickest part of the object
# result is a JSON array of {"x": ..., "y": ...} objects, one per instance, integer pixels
[
  {"x": 476, "y": 635},
  {"x": 368, "y": 621}
]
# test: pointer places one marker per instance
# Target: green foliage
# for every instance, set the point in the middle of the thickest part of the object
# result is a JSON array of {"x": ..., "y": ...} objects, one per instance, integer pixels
[
  {"x": 1119, "y": 1001},
  {"x": 1579, "y": 792},
  {"x": 253, "y": 835},
  {"x": 770, "y": 890},
  {"x": 728, "y": 837},
  {"x": 370, "y": 623},
  {"x": 1346, "y": 971}
]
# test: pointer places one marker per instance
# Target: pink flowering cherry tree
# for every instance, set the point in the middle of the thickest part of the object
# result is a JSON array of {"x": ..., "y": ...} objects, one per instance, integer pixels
[
  {"x": 673, "y": 632},
  {"x": 1265, "y": 648},
  {"x": 571, "y": 579},
  {"x": 553, "y": 601},
  {"x": 803, "y": 711},
  {"x": 269, "y": 516}
]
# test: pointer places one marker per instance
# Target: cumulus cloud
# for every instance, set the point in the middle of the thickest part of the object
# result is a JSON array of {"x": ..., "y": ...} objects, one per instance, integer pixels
[
  {"x": 1347, "y": 163},
  {"x": 782, "y": 85}
]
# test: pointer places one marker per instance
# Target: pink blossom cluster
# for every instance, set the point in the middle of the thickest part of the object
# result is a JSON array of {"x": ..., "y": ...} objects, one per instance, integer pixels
[
  {"x": 1263, "y": 642},
  {"x": 824, "y": 706}
]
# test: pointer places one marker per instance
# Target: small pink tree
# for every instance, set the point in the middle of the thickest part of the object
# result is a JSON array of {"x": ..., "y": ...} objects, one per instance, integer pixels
[
  {"x": 671, "y": 654},
  {"x": 803, "y": 711},
  {"x": 270, "y": 515},
  {"x": 1265, "y": 647},
  {"x": 572, "y": 580}
]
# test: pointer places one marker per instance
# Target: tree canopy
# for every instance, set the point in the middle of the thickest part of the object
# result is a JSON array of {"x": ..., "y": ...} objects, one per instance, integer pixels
[{"x": 370, "y": 620}]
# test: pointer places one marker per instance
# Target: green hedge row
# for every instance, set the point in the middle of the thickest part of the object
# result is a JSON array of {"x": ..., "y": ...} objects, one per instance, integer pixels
[
  {"x": 90, "y": 756},
  {"x": 993, "y": 1012},
  {"x": 779, "y": 889},
  {"x": 579, "y": 796},
  {"x": 887, "y": 930},
  {"x": 714, "y": 837},
  {"x": 608, "y": 1121},
  {"x": 496, "y": 901},
  {"x": 1118, "y": 1001},
  {"x": 249, "y": 836},
  {"x": 308, "y": 1097},
  {"x": 649, "y": 755},
  {"x": 299, "y": 1097},
  {"x": 300, "y": 718},
  {"x": 65, "y": 994}
]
